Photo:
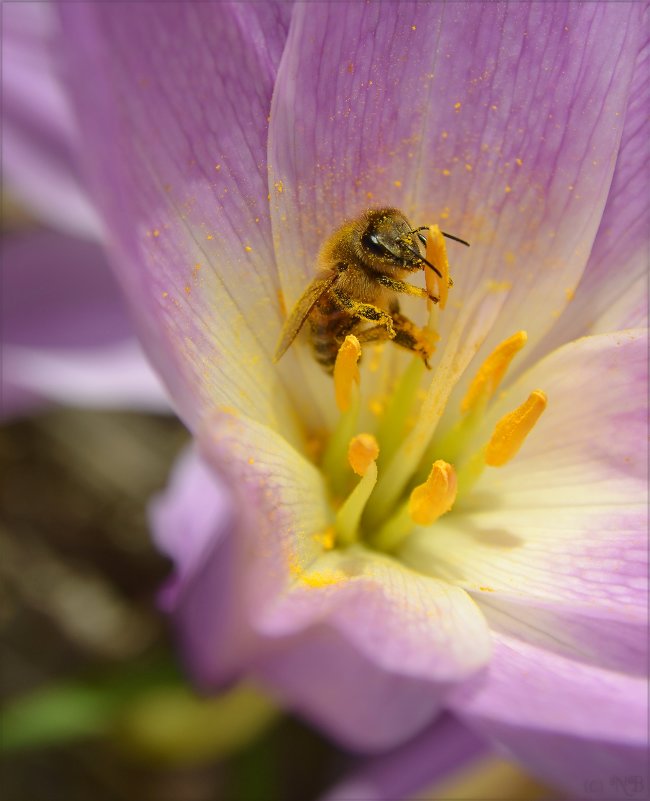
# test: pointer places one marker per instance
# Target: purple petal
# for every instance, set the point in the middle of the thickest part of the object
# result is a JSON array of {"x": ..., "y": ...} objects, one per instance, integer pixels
[
  {"x": 190, "y": 519},
  {"x": 193, "y": 523},
  {"x": 66, "y": 334},
  {"x": 172, "y": 101},
  {"x": 434, "y": 756},
  {"x": 40, "y": 145},
  {"x": 558, "y": 537},
  {"x": 613, "y": 292},
  {"x": 573, "y": 725},
  {"x": 500, "y": 121}
]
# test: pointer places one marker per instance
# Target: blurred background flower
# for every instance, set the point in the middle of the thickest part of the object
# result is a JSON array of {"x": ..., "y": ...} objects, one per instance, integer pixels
[{"x": 181, "y": 209}]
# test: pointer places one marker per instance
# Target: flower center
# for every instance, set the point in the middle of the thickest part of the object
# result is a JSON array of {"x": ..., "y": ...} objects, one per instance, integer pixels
[{"x": 416, "y": 491}]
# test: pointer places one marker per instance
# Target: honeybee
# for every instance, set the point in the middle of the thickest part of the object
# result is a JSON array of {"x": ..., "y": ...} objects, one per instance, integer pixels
[{"x": 356, "y": 290}]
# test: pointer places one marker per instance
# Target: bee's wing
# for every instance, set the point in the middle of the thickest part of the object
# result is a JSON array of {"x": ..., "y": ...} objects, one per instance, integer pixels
[{"x": 301, "y": 310}]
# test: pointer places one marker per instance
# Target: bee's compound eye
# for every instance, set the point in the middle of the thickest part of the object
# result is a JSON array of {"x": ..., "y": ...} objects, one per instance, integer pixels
[{"x": 371, "y": 242}]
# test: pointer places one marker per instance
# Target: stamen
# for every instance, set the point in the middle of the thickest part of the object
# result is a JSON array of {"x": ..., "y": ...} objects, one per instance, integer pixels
[
  {"x": 511, "y": 431},
  {"x": 436, "y": 496},
  {"x": 427, "y": 503},
  {"x": 346, "y": 388},
  {"x": 346, "y": 372},
  {"x": 436, "y": 253},
  {"x": 362, "y": 453},
  {"x": 491, "y": 372},
  {"x": 363, "y": 450}
]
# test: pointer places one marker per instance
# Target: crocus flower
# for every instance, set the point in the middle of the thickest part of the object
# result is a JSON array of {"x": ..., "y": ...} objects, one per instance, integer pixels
[{"x": 490, "y": 560}]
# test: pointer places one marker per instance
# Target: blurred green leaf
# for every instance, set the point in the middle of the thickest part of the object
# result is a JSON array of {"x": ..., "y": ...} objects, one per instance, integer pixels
[
  {"x": 148, "y": 710},
  {"x": 78, "y": 709},
  {"x": 172, "y": 724},
  {"x": 53, "y": 715}
]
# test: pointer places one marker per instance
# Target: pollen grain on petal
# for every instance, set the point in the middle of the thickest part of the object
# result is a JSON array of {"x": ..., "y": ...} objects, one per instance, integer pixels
[
  {"x": 436, "y": 496},
  {"x": 511, "y": 431},
  {"x": 491, "y": 372},
  {"x": 362, "y": 451},
  {"x": 346, "y": 372}
]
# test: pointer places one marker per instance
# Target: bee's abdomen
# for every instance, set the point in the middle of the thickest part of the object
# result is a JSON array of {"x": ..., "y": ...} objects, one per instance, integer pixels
[{"x": 329, "y": 326}]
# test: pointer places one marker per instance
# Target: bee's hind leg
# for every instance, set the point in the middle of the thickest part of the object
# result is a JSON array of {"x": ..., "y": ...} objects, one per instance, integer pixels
[
  {"x": 410, "y": 336},
  {"x": 377, "y": 333}
]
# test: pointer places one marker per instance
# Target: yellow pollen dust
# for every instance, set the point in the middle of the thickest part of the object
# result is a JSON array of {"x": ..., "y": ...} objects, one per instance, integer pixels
[
  {"x": 436, "y": 496},
  {"x": 362, "y": 452},
  {"x": 491, "y": 372},
  {"x": 511, "y": 431},
  {"x": 437, "y": 255},
  {"x": 346, "y": 372}
]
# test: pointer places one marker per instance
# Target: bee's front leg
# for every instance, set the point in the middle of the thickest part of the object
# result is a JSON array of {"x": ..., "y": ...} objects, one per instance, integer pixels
[
  {"x": 405, "y": 288},
  {"x": 366, "y": 311}
]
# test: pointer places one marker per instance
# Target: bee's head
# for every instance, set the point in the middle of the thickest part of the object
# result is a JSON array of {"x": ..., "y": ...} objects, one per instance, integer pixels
[{"x": 388, "y": 242}]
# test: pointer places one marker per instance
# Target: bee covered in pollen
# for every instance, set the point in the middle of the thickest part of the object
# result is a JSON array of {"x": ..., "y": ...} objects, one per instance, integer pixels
[{"x": 356, "y": 291}]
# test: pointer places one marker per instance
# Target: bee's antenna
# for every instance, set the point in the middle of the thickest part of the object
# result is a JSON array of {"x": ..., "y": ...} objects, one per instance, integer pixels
[
  {"x": 423, "y": 239},
  {"x": 455, "y": 238}
]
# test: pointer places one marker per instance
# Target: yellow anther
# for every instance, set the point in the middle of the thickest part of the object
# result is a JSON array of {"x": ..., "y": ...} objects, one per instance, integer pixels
[
  {"x": 437, "y": 255},
  {"x": 511, "y": 431},
  {"x": 346, "y": 372},
  {"x": 436, "y": 496},
  {"x": 491, "y": 372},
  {"x": 363, "y": 450}
]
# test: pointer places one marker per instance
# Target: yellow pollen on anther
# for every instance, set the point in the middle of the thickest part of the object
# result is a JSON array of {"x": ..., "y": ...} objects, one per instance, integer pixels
[
  {"x": 436, "y": 496},
  {"x": 491, "y": 372},
  {"x": 346, "y": 372},
  {"x": 362, "y": 451},
  {"x": 511, "y": 431},
  {"x": 437, "y": 255}
]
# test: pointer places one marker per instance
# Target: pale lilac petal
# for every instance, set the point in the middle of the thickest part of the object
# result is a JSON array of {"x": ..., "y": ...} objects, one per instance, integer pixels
[
  {"x": 66, "y": 334},
  {"x": 190, "y": 518},
  {"x": 194, "y": 523},
  {"x": 40, "y": 158},
  {"x": 321, "y": 676},
  {"x": 436, "y": 755},
  {"x": 407, "y": 623},
  {"x": 613, "y": 293},
  {"x": 111, "y": 377},
  {"x": 172, "y": 101},
  {"x": 522, "y": 105},
  {"x": 221, "y": 573},
  {"x": 557, "y": 537},
  {"x": 568, "y": 722}
]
